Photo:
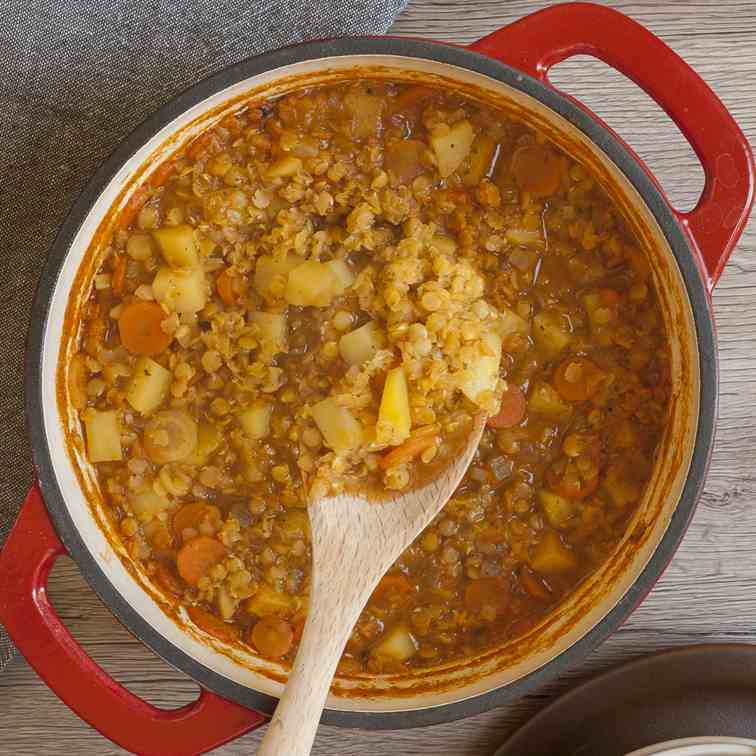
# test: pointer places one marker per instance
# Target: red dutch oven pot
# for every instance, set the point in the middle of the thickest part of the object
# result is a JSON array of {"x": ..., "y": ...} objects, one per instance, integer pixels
[{"x": 689, "y": 250}]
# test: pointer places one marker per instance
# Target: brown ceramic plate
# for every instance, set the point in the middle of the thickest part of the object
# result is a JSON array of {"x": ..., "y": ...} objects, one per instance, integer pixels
[{"x": 694, "y": 691}]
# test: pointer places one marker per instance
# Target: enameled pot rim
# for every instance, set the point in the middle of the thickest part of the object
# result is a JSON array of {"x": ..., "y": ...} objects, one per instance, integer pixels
[{"x": 613, "y": 149}]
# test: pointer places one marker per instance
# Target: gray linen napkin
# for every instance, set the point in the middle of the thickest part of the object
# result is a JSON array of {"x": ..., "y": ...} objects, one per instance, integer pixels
[{"x": 76, "y": 76}]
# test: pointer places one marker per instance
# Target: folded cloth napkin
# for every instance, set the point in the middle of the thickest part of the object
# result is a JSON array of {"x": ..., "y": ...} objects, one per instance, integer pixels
[{"x": 75, "y": 78}]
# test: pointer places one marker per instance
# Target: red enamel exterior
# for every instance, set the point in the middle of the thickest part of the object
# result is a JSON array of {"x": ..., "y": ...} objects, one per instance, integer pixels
[
  {"x": 532, "y": 45},
  {"x": 539, "y": 41},
  {"x": 26, "y": 612}
]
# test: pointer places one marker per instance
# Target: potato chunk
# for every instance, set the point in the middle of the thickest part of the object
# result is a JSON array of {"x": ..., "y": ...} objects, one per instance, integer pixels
[
  {"x": 272, "y": 328},
  {"x": 182, "y": 291},
  {"x": 148, "y": 386},
  {"x": 367, "y": 113},
  {"x": 397, "y": 644},
  {"x": 558, "y": 509},
  {"x": 147, "y": 505},
  {"x": 178, "y": 245},
  {"x": 481, "y": 374},
  {"x": 360, "y": 345},
  {"x": 552, "y": 556},
  {"x": 269, "y": 602},
  {"x": 545, "y": 399},
  {"x": 284, "y": 167},
  {"x": 271, "y": 272},
  {"x": 340, "y": 428},
  {"x": 103, "y": 435},
  {"x": 452, "y": 147},
  {"x": 312, "y": 284},
  {"x": 551, "y": 333},
  {"x": 394, "y": 420},
  {"x": 208, "y": 440},
  {"x": 481, "y": 161},
  {"x": 255, "y": 420}
]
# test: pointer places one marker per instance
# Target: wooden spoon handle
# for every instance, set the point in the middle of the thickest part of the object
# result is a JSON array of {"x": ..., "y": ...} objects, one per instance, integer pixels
[{"x": 332, "y": 614}]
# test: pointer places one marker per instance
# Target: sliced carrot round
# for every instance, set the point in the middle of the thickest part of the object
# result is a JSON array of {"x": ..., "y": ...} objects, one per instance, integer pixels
[
  {"x": 212, "y": 625},
  {"x": 537, "y": 169},
  {"x": 139, "y": 328},
  {"x": 394, "y": 590},
  {"x": 224, "y": 283},
  {"x": 566, "y": 478},
  {"x": 488, "y": 591},
  {"x": 578, "y": 379},
  {"x": 197, "y": 556},
  {"x": 512, "y": 409},
  {"x": 414, "y": 446},
  {"x": 194, "y": 514},
  {"x": 272, "y": 637}
]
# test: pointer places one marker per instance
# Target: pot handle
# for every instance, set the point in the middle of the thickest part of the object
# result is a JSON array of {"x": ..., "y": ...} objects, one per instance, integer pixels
[
  {"x": 537, "y": 42},
  {"x": 25, "y": 611}
]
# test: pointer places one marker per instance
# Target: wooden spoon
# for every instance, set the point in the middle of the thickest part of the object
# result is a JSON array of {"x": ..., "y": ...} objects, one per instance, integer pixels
[{"x": 354, "y": 542}]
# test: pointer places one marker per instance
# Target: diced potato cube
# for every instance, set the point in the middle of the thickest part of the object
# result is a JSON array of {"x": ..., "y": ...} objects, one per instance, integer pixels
[
  {"x": 343, "y": 273},
  {"x": 182, "y": 291},
  {"x": 269, "y": 270},
  {"x": 148, "y": 386},
  {"x": 510, "y": 323},
  {"x": 481, "y": 160},
  {"x": 272, "y": 330},
  {"x": 103, "y": 435},
  {"x": 482, "y": 374},
  {"x": 340, "y": 428},
  {"x": 452, "y": 147},
  {"x": 147, "y": 505},
  {"x": 208, "y": 440},
  {"x": 545, "y": 400},
  {"x": 394, "y": 420},
  {"x": 444, "y": 244},
  {"x": 397, "y": 644},
  {"x": 285, "y": 166},
  {"x": 312, "y": 284},
  {"x": 367, "y": 113},
  {"x": 360, "y": 345},
  {"x": 551, "y": 333},
  {"x": 558, "y": 509},
  {"x": 270, "y": 602},
  {"x": 621, "y": 485},
  {"x": 255, "y": 419},
  {"x": 552, "y": 556},
  {"x": 178, "y": 245}
]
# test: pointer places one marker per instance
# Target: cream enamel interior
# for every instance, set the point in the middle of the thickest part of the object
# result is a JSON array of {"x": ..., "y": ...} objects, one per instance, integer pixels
[{"x": 572, "y": 620}]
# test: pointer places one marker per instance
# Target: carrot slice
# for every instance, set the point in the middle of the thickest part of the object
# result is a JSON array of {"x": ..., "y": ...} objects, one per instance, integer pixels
[
  {"x": 224, "y": 284},
  {"x": 161, "y": 173},
  {"x": 533, "y": 584},
  {"x": 192, "y": 515},
  {"x": 272, "y": 637},
  {"x": 487, "y": 591},
  {"x": 139, "y": 328},
  {"x": 197, "y": 556},
  {"x": 537, "y": 169},
  {"x": 565, "y": 478},
  {"x": 512, "y": 409},
  {"x": 132, "y": 207},
  {"x": 212, "y": 625},
  {"x": 578, "y": 379},
  {"x": 118, "y": 278},
  {"x": 414, "y": 446},
  {"x": 394, "y": 590}
]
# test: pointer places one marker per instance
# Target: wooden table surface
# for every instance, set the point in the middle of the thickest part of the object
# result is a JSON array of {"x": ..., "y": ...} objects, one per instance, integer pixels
[{"x": 707, "y": 594}]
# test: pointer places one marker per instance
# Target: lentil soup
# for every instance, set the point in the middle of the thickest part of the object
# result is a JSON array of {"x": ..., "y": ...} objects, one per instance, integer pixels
[{"x": 321, "y": 292}]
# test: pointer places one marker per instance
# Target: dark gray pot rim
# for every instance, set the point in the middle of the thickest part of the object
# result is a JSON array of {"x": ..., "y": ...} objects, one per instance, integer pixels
[{"x": 614, "y": 149}]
